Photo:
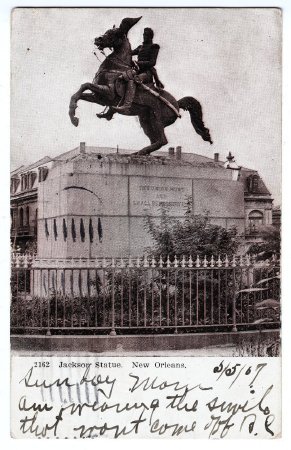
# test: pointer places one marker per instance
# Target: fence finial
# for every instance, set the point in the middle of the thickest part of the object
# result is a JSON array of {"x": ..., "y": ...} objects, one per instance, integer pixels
[
  {"x": 145, "y": 261},
  {"x": 29, "y": 260},
  {"x": 219, "y": 262},
  {"x": 274, "y": 258},
  {"x": 212, "y": 262},
  {"x": 168, "y": 262},
  {"x": 226, "y": 261},
  {"x": 138, "y": 261},
  {"x": 197, "y": 262},
  {"x": 122, "y": 264},
  {"x": 21, "y": 261},
  {"x": 96, "y": 262},
  {"x": 13, "y": 260},
  {"x": 153, "y": 262},
  {"x": 183, "y": 262},
  {"x": 253, "y": 259},
  {"x": 176, "y": 263},
  {"x": 161, "y": 262},
  {"x": 205, "y": 262},
  {"x": 190, "y": 262},
  {"x": 24, "y": 261}
]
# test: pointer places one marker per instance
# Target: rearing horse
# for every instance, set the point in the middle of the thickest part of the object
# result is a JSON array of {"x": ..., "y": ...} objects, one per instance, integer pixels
[{"x": 108, "y": 89}]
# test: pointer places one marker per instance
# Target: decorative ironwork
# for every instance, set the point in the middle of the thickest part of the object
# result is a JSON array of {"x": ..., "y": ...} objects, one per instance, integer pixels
[{"x": 126, "y": 294}]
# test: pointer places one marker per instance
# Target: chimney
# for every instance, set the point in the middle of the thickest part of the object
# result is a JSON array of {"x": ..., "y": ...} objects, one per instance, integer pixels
[
  {"x": 171, "y": 152},
  {"x": 179, "y": 152},
  {"x": 216, "y": 157},
  {"x": 83, "y": 147},
  {"x": 232, "y": 165}
]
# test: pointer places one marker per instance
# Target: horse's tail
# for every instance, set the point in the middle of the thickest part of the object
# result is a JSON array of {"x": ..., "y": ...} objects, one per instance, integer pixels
[{"x": 193, "y": 106}]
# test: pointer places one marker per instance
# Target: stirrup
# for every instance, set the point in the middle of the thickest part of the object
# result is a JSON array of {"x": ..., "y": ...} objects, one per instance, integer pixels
[
  {"x": 105, "y": 115},
  {"x": 123, "y": 108}
]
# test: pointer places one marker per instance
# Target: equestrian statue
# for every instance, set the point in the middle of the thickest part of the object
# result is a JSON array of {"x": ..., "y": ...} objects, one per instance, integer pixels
[{"x": 133, "y": 88}]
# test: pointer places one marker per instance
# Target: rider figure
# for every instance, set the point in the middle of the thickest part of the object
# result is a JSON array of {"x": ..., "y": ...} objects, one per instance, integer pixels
[{"x": 147, "y": 54}]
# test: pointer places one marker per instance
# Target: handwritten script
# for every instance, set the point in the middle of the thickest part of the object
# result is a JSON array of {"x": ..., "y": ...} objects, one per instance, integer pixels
[{"x": 89, "y": 397}]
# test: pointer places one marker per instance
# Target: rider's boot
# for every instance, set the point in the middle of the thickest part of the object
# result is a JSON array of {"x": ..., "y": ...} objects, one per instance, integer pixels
[
  {"x": 107, "y": 115},
  {"x": 129, "y": 95}
]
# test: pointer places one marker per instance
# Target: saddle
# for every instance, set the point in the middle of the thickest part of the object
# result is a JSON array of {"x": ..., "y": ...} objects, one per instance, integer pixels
[{"x": 120, "y": 89}]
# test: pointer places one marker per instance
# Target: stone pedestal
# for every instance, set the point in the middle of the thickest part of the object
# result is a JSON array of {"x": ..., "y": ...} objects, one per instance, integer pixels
[{"x": 95, "y": 205}]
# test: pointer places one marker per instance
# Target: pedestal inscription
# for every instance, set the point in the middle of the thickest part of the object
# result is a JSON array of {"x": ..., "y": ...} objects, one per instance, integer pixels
[{"x": 149, "y": 195}]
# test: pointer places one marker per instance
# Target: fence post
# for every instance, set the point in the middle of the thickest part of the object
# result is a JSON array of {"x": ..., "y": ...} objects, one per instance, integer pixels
[
  {"x": 113, "y": 332},
  {"x": 234, "y": 327},
  {"x": 48, "y": 333}
]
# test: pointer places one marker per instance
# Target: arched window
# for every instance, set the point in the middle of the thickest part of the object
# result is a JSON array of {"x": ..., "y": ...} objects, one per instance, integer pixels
[
  {"x": 35, "y": 222},
  {"x": 27, "y": 216},
  {"x": 21, "y": 217},
  {"x": 14, "y": 219},
  {"x": 256, "y": 219}
]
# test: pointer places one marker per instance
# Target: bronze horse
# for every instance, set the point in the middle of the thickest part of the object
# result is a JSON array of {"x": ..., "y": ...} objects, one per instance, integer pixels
[{"x": 108, "y": 89}]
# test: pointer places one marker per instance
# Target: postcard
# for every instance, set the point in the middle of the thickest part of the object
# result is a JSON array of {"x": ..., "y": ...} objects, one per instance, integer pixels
[{"x": 145, "y": 223}]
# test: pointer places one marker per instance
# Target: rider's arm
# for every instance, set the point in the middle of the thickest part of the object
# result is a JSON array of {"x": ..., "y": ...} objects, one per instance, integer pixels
[
  {"x": 151, "y": 62},
  {"x": 136, "y": 50}
]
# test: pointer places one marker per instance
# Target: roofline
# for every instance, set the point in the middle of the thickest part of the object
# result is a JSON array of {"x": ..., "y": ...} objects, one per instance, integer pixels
[
  {"x": 162, "y": 152},
  {"x": 24, "y": 168}
]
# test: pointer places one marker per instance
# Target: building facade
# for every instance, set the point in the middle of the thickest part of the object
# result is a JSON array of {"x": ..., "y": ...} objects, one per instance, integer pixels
[
  {"x": 24, "y": 184},
  {"x": 91, "y": 201}
]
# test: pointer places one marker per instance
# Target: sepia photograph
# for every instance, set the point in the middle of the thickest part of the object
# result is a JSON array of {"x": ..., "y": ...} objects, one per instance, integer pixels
[{"x": 145, "y": 195}]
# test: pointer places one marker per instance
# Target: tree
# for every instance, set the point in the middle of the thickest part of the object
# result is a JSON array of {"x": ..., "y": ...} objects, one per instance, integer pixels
[
  {"x": 270, "y": 245},
  {"x": 194, "y": 235}
]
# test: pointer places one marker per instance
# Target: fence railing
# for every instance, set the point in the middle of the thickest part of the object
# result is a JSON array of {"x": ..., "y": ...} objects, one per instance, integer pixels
[{"x": 144, "y": 295}]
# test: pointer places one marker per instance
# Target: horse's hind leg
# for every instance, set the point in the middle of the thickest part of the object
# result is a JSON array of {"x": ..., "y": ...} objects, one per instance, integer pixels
[{"x": 153, "y": 128}]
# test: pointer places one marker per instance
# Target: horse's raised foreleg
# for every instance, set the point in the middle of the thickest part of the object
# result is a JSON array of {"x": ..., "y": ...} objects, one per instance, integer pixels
[
  {"x": 89, "y": 98},
  {"x": 73, "y": 106},
  {"x": 105, "y": 91}
]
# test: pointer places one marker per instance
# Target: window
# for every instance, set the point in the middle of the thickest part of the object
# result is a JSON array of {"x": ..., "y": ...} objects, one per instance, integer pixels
[
  {"x": 42, "y": 173},
  {"x": 35, "y": 222},
  {"x": 256, "y": 219},
  {"x": 27, "y": 180},
  {"x": 253, "y": 183},
  {"x": 21, "y": 217},
  {"x": 14, "y": 185},
  {"x": 13, "y": 218},
  {"x": 22, "y": 182},
  {"x": 33, "y": 177},
  {"x": 27, "y": 216}
]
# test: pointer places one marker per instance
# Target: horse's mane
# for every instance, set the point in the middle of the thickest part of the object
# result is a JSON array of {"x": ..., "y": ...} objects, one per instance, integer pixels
[{"x": 114, "y": 61}]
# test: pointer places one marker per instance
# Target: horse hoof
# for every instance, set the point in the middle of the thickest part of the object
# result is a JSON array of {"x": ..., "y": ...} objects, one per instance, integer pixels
[
  {"x": 75, "y": 121},
  {"x": 142, "y": 153}
]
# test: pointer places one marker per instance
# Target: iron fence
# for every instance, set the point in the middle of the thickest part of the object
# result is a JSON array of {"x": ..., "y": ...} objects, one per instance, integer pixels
[{"x": 144, "y": 296}]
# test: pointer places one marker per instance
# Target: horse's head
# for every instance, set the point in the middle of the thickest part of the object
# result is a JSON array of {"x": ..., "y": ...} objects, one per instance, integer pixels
[{"x": 114, "y": 37}]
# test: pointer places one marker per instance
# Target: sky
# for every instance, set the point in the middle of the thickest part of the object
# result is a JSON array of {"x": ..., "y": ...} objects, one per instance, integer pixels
[{"x": 228, "y": 59}]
